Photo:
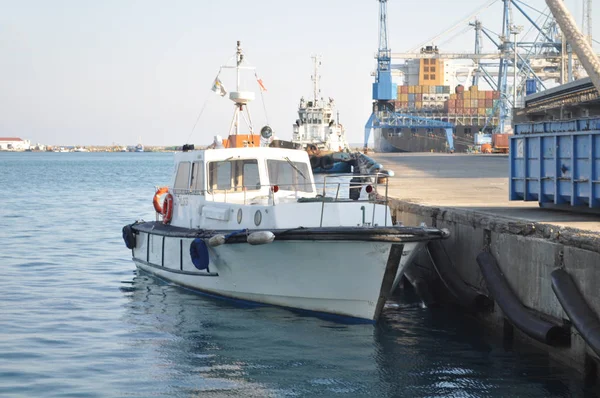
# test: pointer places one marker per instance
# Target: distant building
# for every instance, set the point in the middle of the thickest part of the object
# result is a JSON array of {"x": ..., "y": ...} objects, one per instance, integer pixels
[{"x": 14, "y": 144}]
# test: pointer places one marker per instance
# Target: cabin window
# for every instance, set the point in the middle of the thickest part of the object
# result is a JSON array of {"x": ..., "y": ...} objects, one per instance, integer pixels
[
  {"x": 197, "y": 183},
  {"x": 234, "y": 175},
  {"x": 220, "y": 175},
  {"x": 251, "y": 178},
  {"x": 182, "y": 179},
  {"x": 289, "y": 176}
]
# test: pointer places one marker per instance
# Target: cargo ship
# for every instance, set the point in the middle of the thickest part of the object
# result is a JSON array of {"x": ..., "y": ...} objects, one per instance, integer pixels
[{"x": 431, "y": 90}]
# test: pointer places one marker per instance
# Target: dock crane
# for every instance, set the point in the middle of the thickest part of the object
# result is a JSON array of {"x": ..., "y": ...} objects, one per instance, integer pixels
[
  {"x": 580, "y": 43},
  {"x": 385, "y": 92}
]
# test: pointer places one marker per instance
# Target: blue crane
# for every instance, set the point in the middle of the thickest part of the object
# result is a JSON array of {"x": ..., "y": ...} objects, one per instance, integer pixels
[{"x": 385, "y": 92}]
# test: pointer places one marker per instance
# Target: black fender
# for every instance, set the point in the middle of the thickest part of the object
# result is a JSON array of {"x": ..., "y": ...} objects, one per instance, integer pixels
[
  {"x": 129, "y": 236},
  {"x": 530, "y": 324}
]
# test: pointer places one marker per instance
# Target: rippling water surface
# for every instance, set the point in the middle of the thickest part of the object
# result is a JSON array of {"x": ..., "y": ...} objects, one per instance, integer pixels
[{"x": 77, "y": 320}]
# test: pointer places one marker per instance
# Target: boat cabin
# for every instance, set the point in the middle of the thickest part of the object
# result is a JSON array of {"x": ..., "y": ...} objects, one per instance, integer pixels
[{"x": 244, "y": 175}]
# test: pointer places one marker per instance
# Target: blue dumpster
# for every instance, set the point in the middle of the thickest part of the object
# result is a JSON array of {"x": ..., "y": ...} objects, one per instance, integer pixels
[{"x": 556, "y": 163}]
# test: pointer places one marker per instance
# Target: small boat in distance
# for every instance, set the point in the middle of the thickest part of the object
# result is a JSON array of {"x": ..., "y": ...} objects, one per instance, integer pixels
[
  {"x": 247, "y": 221},
  {"x": 139, "y": 148},
  {"x": 318, "y": 131}
]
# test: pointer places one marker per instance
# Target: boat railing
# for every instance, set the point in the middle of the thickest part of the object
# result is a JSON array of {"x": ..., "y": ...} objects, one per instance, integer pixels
[
  {"x": 335, "y": 188},
  {"x": 371, "y": 183}
]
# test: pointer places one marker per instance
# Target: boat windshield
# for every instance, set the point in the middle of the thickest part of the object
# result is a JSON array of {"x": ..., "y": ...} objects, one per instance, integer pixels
[
  {"x": 233, "y": 175},
  {"x": 289, "y": 175}
]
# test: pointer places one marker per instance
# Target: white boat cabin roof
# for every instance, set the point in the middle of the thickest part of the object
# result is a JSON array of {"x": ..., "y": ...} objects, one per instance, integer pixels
[{"x": 211, "y": 155}]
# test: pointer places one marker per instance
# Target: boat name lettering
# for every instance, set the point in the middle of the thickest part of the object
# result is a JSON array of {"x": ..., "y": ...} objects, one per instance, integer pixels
[{"x": 182, "y": 200}]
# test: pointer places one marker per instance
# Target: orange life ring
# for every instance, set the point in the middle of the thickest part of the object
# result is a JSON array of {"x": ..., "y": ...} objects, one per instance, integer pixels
[
  {"x": 156, "y": 199},
  {"x": 167, "y": 209}
]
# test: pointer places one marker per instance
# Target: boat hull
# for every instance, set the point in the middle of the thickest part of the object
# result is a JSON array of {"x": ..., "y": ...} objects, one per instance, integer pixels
[
  {"x": 350, "y": 278},
  {"x": 422, "y": 139}
]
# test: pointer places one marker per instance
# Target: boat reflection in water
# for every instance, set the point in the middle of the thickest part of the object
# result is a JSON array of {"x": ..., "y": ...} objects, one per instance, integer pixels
[{"x": 190, "y": 344}]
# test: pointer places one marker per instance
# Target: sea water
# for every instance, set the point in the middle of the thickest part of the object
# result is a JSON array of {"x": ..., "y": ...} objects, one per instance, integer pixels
[{"x": 78, "y": 320}]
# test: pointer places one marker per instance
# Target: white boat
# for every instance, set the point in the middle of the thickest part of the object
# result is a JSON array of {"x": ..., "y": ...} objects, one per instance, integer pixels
[
  {"x": 319, "y": 131},
  {"x": 248, "y": 222}
]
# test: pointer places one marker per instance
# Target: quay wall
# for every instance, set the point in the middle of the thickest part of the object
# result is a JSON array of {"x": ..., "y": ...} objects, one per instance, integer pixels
[{"x": 527, "y": 253}]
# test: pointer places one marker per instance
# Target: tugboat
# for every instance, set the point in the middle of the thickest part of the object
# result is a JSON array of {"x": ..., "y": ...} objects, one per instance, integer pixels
[{"x": 319, "y": 132}]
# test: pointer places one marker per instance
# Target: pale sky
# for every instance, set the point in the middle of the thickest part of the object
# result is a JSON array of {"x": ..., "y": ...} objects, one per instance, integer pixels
[{"x": 85, "y": 72}]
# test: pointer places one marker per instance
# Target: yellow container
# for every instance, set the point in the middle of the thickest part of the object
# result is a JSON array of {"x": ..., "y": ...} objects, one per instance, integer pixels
[
  {"x": 411, "y": 89},
  {"x": 473, "y": 88},
  {"x": 418, "y": 105},
  {"x": 481, "y": 95},
  {"x": 467, "y": 95},
  {"x": 418, "y": 90}
]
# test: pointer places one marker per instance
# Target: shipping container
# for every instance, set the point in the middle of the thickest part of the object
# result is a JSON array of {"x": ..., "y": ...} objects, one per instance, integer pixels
[
  {"x": 556, "y": 168},
  {"x": 411, "y": 89},
  {"x": 481, "y": 95},
  {"x": 418, "y": 90},
  {"x": 496, "y": 94},
  {"x": 411, "y": 97},
  {"x": 467, "y": 95},
  {"x": 489, "y": 95},
  {"x": 474, "y": 103},
  {"x": 419, "y": 97},
  {"x": 481, "y": 111},
  {"x": 530, "y": 86},
  {"x": 500, "y": 140},
  {"x": 489, "y": 103},
  {"x": 403, "y": 89},
  {"x": 481, "y": 139},
  {"x": 473, "y": 88}
]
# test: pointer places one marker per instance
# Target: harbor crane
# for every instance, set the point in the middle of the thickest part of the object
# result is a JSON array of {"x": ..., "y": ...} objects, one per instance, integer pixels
[{"x": 385, "y": 92}]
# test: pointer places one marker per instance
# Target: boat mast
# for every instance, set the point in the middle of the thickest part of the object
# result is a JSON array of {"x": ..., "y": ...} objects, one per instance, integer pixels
[
  {"x": 315, "y": 78},
  {"x": 239, "y": 58},
  {"x": 240, "y": 98}
]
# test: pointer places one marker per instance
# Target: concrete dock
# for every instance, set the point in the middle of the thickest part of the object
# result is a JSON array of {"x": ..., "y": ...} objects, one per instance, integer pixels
[
  {"x": 468, "y": 194},
  {"x": 468, "y": 181}
]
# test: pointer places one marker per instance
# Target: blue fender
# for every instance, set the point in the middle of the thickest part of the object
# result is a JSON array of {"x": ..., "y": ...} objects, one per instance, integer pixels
[{"x": 199, "y": 254}]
